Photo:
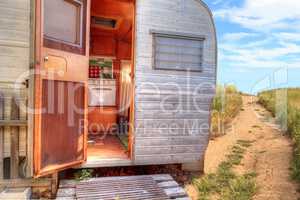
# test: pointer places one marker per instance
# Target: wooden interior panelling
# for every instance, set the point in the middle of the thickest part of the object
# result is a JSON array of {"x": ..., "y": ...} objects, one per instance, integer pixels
[
  {"x": 117, "y": 67},
  {"x": 116, "y": 10},
  {"x": 108, "y": 46},
  {"x": 103, "y": 45},
  {"x": 113, "y": 42},
  {"x": 64, "y": 102},
  {"x": 102, "y": 117},
  {"x": 124, "y": 50}
]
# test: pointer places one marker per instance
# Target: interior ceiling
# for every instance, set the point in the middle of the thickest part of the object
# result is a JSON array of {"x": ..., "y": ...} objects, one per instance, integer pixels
[{"x": 115, "y": 9}]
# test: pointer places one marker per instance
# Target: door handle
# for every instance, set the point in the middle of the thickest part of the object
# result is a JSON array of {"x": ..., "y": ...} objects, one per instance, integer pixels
[{"x": 56, "y": 63}]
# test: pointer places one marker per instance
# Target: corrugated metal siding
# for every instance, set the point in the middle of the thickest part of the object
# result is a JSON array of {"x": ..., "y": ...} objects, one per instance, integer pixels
[
  {"x": 172, "y": 107},
  {"x": 14, "y": 38},
  {"x": 14, "y": 54}
]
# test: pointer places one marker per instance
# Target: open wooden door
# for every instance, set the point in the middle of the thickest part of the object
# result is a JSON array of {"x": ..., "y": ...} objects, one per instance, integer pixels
[{"x": 62, "y": 47}]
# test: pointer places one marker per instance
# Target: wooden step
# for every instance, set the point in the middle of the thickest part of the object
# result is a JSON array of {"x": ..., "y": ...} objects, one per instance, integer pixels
[
  {"x": 16, "y": 193},
  {"x": 152, "y": 187}
]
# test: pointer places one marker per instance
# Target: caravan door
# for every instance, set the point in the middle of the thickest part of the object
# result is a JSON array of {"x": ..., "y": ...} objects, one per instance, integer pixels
[{"x": 61, "y": 78}]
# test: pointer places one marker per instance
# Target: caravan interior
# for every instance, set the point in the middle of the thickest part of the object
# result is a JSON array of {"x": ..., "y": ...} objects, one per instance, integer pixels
[{"x": 110, "y": 66}]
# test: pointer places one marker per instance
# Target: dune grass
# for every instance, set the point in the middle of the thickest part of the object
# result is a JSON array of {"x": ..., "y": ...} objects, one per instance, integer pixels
[
  {"x": 226, "y": 105},
  {"x": 291, "y": 120}
]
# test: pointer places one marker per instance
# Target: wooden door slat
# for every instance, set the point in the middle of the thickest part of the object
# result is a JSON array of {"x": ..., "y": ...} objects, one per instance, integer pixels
[
  {"x": 14, "y": 145},
  {"x": 1, "y": 137}
]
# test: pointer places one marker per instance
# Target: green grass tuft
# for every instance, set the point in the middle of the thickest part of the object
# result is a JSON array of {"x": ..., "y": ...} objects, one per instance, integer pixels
[
  {"x": 226, "y": 105},
  {"x": 240, "y": 188},
  {"x": 225, "y": 184},
  {"x": 245, "y": 143}
]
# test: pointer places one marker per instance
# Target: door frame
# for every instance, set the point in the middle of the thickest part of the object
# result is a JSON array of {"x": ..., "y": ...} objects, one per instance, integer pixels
[{"x": 37, "y": 91}]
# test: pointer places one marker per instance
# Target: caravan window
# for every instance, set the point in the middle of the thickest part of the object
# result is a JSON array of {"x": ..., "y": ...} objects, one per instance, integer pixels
[
  {"x": 178, "y": 52},
  {"x": 63, "y": 27}
]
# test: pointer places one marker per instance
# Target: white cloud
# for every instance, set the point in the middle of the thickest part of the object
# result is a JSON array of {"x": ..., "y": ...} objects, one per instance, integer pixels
[
  {"x": 273, "y": 41},
  {"x": 217, "y": 2},
  {"x": 237, "y": 55},
  {"x": 288, "y": 36},
  {"x": 264, "y": 15},
  {"x": 259, "y": 43},
  {"x": 237, "y": 36}
]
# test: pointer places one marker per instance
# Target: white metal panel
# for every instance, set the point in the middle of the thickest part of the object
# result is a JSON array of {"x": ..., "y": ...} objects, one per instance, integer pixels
[{"x": 171, "y": 88}]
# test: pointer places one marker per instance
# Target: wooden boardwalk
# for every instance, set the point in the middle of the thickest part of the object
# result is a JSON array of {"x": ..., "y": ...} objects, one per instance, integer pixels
[{"x": 151, "y": 187}]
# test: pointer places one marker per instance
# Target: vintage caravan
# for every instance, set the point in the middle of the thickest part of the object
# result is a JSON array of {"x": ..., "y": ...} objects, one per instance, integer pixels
[{"x": 95, "y": 83}]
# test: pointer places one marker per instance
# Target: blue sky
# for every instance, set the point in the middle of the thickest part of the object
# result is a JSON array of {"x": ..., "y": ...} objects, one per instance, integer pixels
[{"x": 259, "y": 43}]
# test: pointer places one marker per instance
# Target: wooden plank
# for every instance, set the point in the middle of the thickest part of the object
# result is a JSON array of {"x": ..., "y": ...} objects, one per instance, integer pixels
[
  {"x": 168, "y": 184},
  {"x": 67, "y": 184},
  {"x": 95, "y": 163},
  {"x": 31, "y": 99},
  {"x": 162, "y": 177},
  {"x": 7, "y": 130},
  {"x": 54, "y": 185},
  {"x": 21, "y": 183},
  {"x": 13, "y": 123},
  {"x": 15, "y": 4},
  {"x": 175, "y": 192},
  {"x": 23, "y": 134},
  {"x": 131, "y": 188},
  {"x": 66, "y": 192},
  {"x": 14, "y": 58},
  {"x": 14, "y": 145},
  {"x": 65, "y": 198},
  {"x": 1, "y": 137},
  {"x": 128, "y": 187}
]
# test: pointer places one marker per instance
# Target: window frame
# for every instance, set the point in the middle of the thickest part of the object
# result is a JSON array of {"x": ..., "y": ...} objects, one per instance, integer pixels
[
  {"x": 67, "y": 46},
  {"x": 175, "y": 35}
]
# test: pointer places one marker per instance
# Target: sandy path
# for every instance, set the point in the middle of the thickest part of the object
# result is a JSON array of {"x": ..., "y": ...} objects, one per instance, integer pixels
[{"x": 269, "y": 156}]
